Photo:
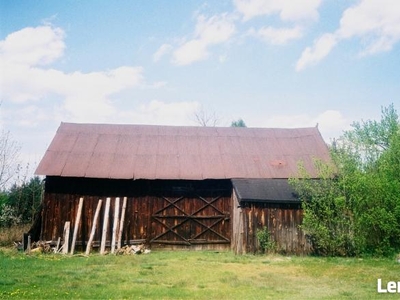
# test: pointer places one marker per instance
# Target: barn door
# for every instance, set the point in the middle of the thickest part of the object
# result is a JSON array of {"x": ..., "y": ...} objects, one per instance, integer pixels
[{"x": 192, "y": 220}]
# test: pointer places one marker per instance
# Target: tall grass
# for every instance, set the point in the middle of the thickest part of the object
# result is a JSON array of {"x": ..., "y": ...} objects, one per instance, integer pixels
[{"x": 10, "y": 234}]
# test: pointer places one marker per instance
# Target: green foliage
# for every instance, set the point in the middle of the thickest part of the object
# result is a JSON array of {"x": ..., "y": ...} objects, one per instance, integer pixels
[
  {"x": 20, "y": 203},
  {"x": 9, "y": 216},
  {"x": 327, "y": 219},
  {"x": 264, "y": 239},
  {"x": 355, "y": 207},
  {"x": 238, "y": 123}
]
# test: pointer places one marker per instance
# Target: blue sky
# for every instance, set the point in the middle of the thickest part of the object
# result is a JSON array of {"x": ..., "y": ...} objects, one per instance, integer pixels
[{"x": 273, "y": 63}]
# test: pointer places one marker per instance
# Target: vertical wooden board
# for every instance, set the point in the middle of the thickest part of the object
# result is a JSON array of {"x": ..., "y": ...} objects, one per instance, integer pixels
[
  {"x": 130, "y": 218},
  {"x": 121, "y": 223},
  {"x": 145, "y": 215},
  {"x": 115, "y": 224},
  {"x": 94, "y": 226},
  {"x": 105, "y": 226},
  {"x": 293, "y": 230},
  {"x": 77, "y": 224},
  {"x": 139, "y": 217},
  {"x": 66, "y": 236},
  {"x": 149, "y": 229}
]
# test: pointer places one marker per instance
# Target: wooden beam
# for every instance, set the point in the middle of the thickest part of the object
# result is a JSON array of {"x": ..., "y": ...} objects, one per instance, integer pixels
[
  {"x": 95, "y": 220},
  {"x": 115, "y": 225},
  {"x": 28, "y": 248},
  {"x": 58, "y": 244},
  {"x": 66, "y": 237},
  {"x": 121, "y": 223},
  {"x": 105, "y": 225},
  {"x": 76, "y": 227}
]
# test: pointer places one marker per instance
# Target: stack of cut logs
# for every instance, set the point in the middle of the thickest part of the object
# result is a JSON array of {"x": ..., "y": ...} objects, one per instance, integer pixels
[
  {"x": 38, "y": 247},
  {"x": 134, "y": 249}
]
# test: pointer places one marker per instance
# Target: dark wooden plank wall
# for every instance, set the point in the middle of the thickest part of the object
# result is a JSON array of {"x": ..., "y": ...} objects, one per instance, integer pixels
[
  {"x": 282, "y": 220},
  {"x": 139, "y": 224}
]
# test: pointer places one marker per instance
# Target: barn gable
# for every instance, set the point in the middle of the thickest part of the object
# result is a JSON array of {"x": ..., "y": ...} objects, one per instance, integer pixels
[{"x": 196, "y": 187}]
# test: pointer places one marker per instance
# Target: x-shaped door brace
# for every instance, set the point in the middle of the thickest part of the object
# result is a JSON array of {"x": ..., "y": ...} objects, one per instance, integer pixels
[
  {"x": 186, "y": 217},
  {"x": 171, "y": 229},
  {"x": 209, "y": 228}
]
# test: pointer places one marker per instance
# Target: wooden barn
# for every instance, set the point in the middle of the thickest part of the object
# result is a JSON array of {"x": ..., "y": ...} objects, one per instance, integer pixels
[{"x": 190, "y": 187}]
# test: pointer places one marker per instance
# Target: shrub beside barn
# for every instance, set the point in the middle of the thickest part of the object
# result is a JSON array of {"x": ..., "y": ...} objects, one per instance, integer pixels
[{"x": 186, "y": 187}]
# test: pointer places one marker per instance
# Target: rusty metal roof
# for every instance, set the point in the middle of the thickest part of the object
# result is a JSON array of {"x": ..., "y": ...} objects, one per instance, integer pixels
[{"x": 172, "y": 152}]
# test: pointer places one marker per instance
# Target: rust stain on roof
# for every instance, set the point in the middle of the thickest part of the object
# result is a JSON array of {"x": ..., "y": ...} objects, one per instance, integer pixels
[{"x": 172, "y": 152}]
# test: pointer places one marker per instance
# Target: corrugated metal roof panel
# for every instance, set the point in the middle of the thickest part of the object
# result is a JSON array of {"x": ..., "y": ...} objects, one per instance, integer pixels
[
  {"x": 145, "y": 166},
  {"x": 63, "y": 141},
  {"x": 190, "y": 166},
  {"x": 167, "y": 166},
  {"x": 187, "y": 145},
  {"x": 53, "y": 164},
  {"x": 122, "y": 166},
  {"x": 76, "y": 164},
  {"x": 100, "y": 165},
  {"x": 212, "y": 167},
  {"x": 85, "y": 142},
  {"x": 167, "y": 152}
]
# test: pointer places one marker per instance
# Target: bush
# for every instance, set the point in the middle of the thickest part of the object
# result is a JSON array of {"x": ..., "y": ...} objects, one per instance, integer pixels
[
  {"x": 264, "y": 239},
  {"x": 9, "y": 216}
]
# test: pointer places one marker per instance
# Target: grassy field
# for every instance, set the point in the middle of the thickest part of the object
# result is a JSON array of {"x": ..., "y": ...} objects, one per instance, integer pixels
[{"x": 191, "y": 275}]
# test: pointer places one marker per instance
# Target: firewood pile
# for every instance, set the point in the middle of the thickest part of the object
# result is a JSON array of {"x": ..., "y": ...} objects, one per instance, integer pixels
[
  {"x": 132, "y": 250},
  {"x": 42, "y": 247}
]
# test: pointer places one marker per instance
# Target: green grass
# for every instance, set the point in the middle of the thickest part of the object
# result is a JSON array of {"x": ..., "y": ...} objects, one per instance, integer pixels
[{"x": 191, "y": 275}]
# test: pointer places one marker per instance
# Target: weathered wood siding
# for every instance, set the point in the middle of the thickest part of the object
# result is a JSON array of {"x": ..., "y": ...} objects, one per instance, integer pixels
[
  {"x": 173, "y": 214},
  {"x": 237, "y": 242},
  {"x": 282, "y": 221}
]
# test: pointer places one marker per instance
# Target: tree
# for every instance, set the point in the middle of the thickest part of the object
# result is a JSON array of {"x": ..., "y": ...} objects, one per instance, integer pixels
[
  {"x": 373, "y": 182},
  {"x": 238, "y": 123},
  {"x": 25, "y": 199},
  {"x": 206, "y": 119},
  {"x": 358, "y": 201},
  {"x": 9, "y": 153}
]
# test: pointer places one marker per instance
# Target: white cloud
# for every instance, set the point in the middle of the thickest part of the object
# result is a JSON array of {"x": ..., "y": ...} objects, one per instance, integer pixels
[
  {"x": 30, "y": 116},
  {"x": 378, "y": 21},
  {"x": 375, "y": 22},
  {"x": 278, "y": 36},
  {"x": 321, "y": 48},
  {"x": 331, "y": 123},
  {"x": 190, "y": 52},
  {"x": 209, "y": 31},
  {"x": 162, "y": 51},
  {"x": 159, "y": 112},
  {"x": 288, "y": 10},
  {"x": 83, "y": 95},
  {"x": 33, "y": 46}
]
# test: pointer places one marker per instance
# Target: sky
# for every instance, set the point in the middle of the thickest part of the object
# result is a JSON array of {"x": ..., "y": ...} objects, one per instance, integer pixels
[{"x": 272, "y": 63}]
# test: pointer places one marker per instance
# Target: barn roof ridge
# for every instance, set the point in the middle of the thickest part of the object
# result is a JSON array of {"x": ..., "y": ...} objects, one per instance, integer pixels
[{"x": 194, "y": 127}]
